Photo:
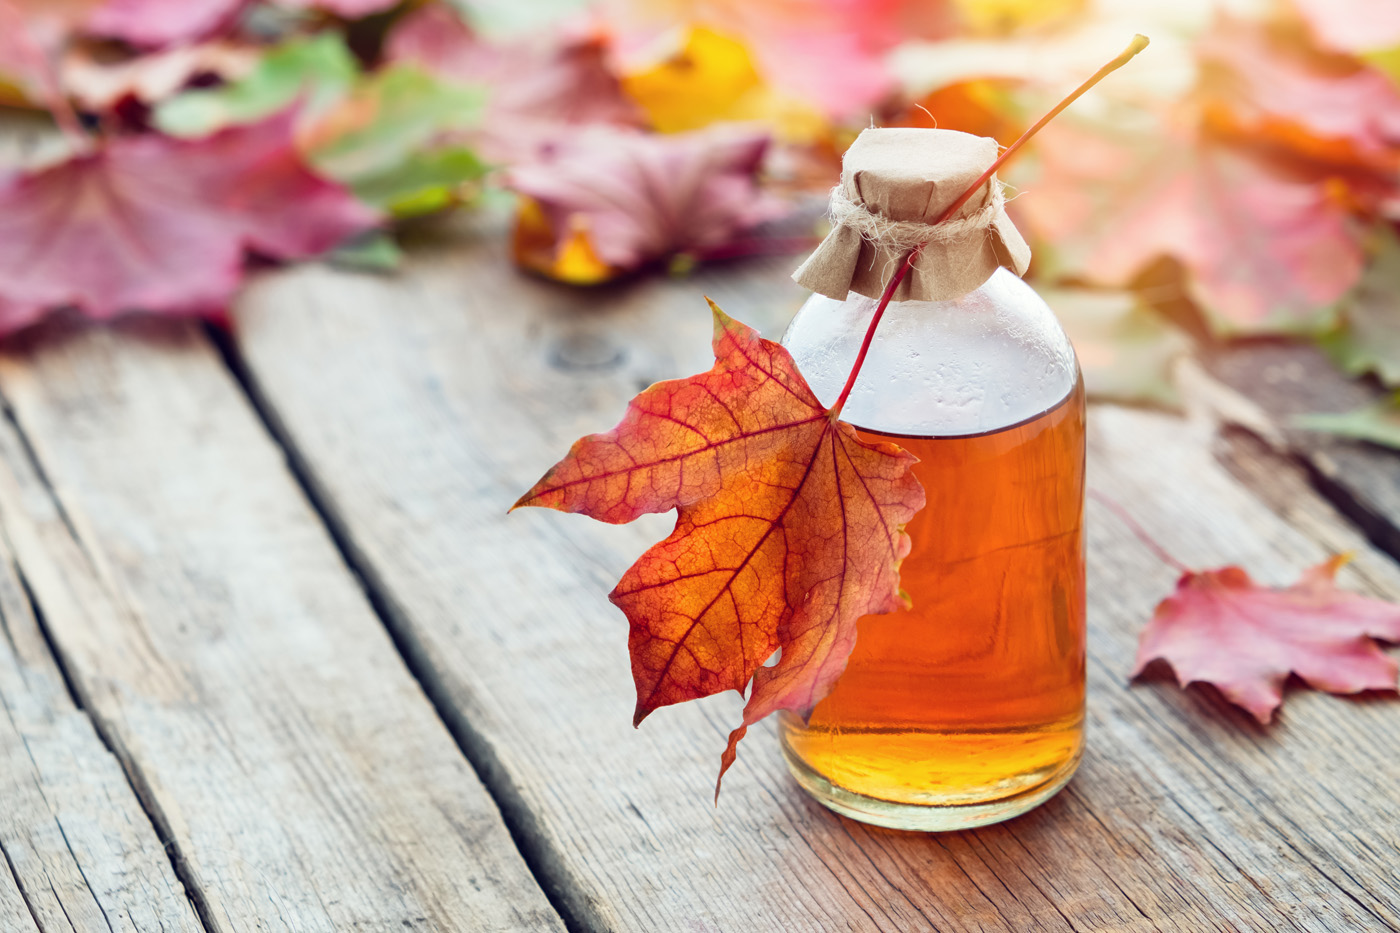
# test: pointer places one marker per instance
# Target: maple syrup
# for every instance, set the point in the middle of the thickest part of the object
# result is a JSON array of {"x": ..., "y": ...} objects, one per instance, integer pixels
[{"x": 967, "y": 707}]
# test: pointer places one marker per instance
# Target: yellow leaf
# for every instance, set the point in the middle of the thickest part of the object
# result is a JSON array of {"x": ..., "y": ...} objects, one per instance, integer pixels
[
  {"x": 1000, "y": 17},
  {"x": 712, "y": 78},
  {"x": 569, "y": 258}
]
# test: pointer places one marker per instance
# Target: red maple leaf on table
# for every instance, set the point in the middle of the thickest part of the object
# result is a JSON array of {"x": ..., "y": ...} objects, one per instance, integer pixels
[
  {"x": 152, "y": 224},
  {"x": 790, "y": 527},
  {"x": 1222, "y": 628}
]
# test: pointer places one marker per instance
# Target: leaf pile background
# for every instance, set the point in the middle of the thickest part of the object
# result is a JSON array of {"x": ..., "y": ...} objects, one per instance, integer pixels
[{"x": 1242, "y": 181}]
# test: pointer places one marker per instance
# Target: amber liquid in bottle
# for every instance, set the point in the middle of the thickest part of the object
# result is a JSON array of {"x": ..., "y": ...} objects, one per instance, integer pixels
[{"x": 968, "y": 707}]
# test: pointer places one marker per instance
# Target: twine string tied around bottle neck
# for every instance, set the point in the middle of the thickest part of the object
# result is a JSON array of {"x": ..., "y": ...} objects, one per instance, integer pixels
[{"x": 903, "y": 235}]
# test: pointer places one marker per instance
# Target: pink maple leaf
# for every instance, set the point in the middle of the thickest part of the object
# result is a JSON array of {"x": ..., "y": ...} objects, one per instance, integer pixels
[
  {"x": 346, "y": 9},
  {"x": 540, "y": 87},
  {"x": 152, "y": 224},
  {"x": 163, "y": 22},
  {"x": 643, "y": 196},
  {"x": 1222, "y": 628}
]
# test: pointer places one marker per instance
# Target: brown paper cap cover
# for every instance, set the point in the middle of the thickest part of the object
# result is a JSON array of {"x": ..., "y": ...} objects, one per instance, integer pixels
[{"x": 909, "y": 174}]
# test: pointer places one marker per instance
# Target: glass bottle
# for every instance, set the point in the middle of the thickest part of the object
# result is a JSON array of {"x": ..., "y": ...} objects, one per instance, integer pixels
[{"x": 967, "y": 708}]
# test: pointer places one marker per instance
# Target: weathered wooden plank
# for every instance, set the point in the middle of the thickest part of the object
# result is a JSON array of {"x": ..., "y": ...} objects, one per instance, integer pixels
[
  {"x": 210, "y": 627},
  {"x": 72, "y": 831},
  {"x": 13, "y": 913},
  {"x": 421, "y": 406},
  {"x": 1293, "y": 379}
]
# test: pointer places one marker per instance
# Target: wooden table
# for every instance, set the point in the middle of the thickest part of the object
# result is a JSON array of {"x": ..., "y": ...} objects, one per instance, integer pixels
[{"x": 275, "y": 658}]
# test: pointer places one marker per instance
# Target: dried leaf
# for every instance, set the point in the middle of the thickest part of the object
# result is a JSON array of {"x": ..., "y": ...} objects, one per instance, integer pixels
[
  {"x": 152, "y": 224},
  {"x": 1005, "y": 17},
  {"x": 1269, "y": 90},
  {"x": 711, "y": 78},
  {"x": 1266, "y": 248},
  {"x": 789, "y": 529},
  {"x": 808, "y": 63},
  {"x": 154, "y": 23},
  {"x": 1126, "y": 350},
  {"x": 565, "y": 256},
  {"x": 99, "y": 81},
  {"x": 32, "y": 32},
  {"x": 346, "y": 9},
  {"x": 539, "y": 88},
  {"x": 642, "y": 198},
  {"x": 1368, "y": 339},
  {"x": 422, "y": 182},
  {"x": 375, "y": 251},
  {"x": 1220, "y": 627},
  {"x": 981, "y": 107},
  {"x": 386, "y": 139},
  {"x": 1378, "y": 423},
  {"x": 1352, "y": 25},
  {"x": 315, "y": 70},
  {"x": 393, "y": 136}
]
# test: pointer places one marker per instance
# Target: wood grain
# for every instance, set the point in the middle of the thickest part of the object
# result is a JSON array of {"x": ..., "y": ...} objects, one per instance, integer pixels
[
  {"x": 73, "y": 834},
  {"x": 420, "y": 406},
  {"x": 1294, "y": 379},
  {"x": 211, "y": 629}
]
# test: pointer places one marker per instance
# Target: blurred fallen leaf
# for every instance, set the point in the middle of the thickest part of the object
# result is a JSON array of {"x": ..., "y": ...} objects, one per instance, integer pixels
[
  {"x": 1352, "y": 25},
  {"x": 614, "y": 200},
  {"x": 563, "y": 255},
  {"x": 98, "y": 80},
  {"x": 1125, "y": 350},
  {"x": 712, "y": 78},
  {"x": 981, "y": 107},
  {"x": 1378, "y": 423},
  {"x": 315, "y": 71},
  {"x": 1264, "y": 89},
  {"x": 1003, "y": 17},
  {"x": 156, "y": 23},
  {"x": 391, "y": 140},
  {"x": 1261, "y": 183},
  {"x": 1300, "y": 257},
  {"x": 374, "y": 251},
  {"x": 347, "y": 9},
  {"x": 538, "y": 87},
  {"x": 1367, "y": 339},
  {"x": 147, "y": 223}
]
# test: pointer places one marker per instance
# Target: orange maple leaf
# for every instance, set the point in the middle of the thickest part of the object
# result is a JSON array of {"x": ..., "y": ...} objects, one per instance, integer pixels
[
  {"x": 1221, "y": 627},
  {"x": 790, "y": 527}
]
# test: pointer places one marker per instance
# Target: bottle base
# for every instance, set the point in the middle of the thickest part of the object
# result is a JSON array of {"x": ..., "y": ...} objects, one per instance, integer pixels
[{"x": 926, "y": 817}]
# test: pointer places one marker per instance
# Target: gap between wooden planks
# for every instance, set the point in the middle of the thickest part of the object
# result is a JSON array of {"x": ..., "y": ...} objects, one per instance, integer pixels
[
  {"x": 419, "y": 406},
  {"x": 209, "y": 627}
]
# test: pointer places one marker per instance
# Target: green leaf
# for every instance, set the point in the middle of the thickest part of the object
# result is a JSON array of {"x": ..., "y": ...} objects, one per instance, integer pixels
[
  {"x": 374, "y": 251},
  {"x": 512, "y": 19},
  {"x": 1125, "y": 349},
  {"x": 389, "y": 120},
  {"x": 318, "y": 69},
  {"x": 422, "y": 183},
  {"x": 1378, "y": 423},
  {"x": 1368, "y": 339}
]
